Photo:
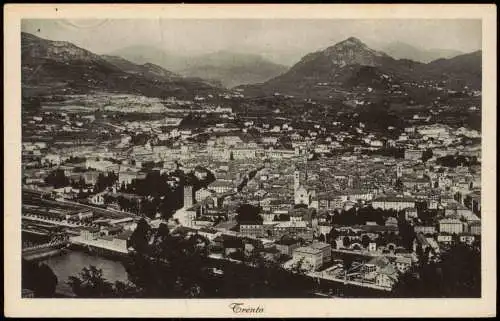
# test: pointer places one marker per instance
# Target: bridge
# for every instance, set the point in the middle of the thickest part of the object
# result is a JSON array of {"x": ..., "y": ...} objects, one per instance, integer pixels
[
  {"x": 51, "y": 244},
  {"x": 42, "y": 251}
]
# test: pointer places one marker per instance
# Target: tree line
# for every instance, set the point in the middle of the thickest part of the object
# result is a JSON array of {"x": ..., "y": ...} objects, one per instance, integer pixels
[
  {"x": 39, "y": 278},
  {"x": 457, "y": 160},
  {"x": 170, "y": 264},
  {"x": 456, "y": 275}
]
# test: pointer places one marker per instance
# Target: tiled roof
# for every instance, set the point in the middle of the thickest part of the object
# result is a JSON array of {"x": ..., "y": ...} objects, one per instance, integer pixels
[
  {"x": 221, "y": 183},
  {"x": 403, "y": 259},
  {"x": 393, "y": 199},
  {"x": 124, "y": 235},
  {"x": 449, "y": 221},
  {"x": 319, "y": 245},
  {"x": 307, "y": 250},
  {"x": 290, "y": 224}
]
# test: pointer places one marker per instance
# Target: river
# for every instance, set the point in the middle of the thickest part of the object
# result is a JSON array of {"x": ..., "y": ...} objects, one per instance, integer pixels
[{"x": 73, "y": 262}]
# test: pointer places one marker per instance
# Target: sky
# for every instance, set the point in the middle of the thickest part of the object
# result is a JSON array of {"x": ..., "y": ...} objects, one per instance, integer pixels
[{"x": 283, "y": 41}]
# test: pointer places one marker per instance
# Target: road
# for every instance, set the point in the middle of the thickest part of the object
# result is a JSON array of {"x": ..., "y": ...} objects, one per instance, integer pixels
[{"x": 114, "y": 126}]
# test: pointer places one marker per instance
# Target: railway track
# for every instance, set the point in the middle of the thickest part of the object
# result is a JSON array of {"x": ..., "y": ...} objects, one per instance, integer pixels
[{"x": 30, "y": 196}]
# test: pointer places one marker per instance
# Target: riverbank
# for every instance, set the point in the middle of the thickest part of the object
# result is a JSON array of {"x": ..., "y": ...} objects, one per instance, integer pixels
[
  {"x": 317, "y": 286},
  {"x": 73, "y": 261},
  {"x": 98, "y": 251},
  {"x": 44, "y": 254}
]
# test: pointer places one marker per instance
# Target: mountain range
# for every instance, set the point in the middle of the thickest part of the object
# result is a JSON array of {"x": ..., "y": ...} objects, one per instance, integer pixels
[
  {"x": 351, "y": 64},
  {"x": 230, "y": 68},
  {"x": 401, "y": 50},
  {"x": 60, "y": 67}
]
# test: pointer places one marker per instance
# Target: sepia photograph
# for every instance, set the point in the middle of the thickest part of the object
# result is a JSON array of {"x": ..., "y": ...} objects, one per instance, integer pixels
[{"x": 241, "y": 158}]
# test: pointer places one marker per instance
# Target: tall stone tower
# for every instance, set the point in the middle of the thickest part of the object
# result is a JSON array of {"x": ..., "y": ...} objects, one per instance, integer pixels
[
  {"x": 296, "y": 179},
  {"x": 350, "y": 181},
  {"x": 188, "y": 196}
]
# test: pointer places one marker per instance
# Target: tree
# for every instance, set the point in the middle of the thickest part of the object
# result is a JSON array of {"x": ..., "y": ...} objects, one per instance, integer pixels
[
  {"x": 426, "y": 155},
  {"x": 76, "y": 160},
  {"x": 140, "y": 237},
  {"x": 399, "y": 184},
  {"x": 348, "y": 261},
  {"x": 332, "y": 236},
  {"x": 57, "y": 179},
  {"x": 427, "y": 254},
  {"x": 457, "y": 275},
  {"x": 122, "y": 203},
  {"x": 365, "y": 240},
  {"x": 149, "y": 207},
  {"x": 248, "y": 213},
  {"x": 91, "y": 284},
  {"x": 420, "y": 254},
  {"x": 166, "y": 208},
  {"x": 112, "y": 178},
  {"x": 346, "y": 241},
  {"x": 407, "y": 285},
  {"x": 108, "y": 199},
  {"x": 100, "y": 184},
  {"x": 81, "y": 183},
  {"x": 40, "y": 278},
  {"x": 300, "y": 266},
  {"x": 171, "y": 266},
  {"x": 407, "y": 233},
  {"x": 105, "y": 181},
  {"x": 126, "y": 290},
  {"x": 283, "y": 218},
  {"x": 161, "y": 239}
]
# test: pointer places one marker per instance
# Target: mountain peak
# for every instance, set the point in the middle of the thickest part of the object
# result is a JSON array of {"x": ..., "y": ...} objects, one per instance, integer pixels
[
  {"x": 352, "y": 51},
  {"x": 352, "y": 40},
  {"x": 36, "y": 47},
  {"x": 351, "y": 43}
]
